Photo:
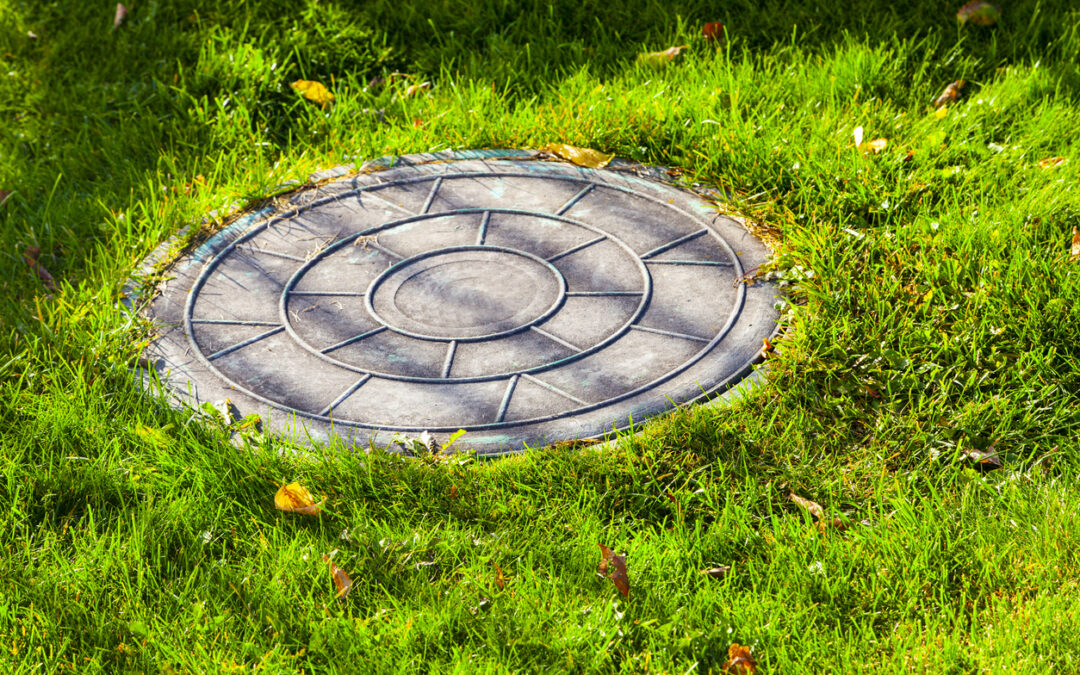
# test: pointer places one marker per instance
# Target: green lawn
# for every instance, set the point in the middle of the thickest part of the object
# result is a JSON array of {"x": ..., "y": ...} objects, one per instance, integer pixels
[{"x": 934, "y": 310}]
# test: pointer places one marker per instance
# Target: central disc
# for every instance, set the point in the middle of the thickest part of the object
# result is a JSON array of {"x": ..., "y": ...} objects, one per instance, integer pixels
[{"x": 466, "y": 293}]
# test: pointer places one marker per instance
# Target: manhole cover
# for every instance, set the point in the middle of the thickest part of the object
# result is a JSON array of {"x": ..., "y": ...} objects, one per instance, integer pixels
[{"x": 526, "y": 302}]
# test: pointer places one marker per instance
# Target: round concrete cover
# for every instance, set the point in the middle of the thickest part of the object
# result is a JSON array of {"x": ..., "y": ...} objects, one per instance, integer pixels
[{"x": 524, "y": 301}]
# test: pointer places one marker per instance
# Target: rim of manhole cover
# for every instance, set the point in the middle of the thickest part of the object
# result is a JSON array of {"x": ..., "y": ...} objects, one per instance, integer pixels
[{"x": 526, "y": 302}]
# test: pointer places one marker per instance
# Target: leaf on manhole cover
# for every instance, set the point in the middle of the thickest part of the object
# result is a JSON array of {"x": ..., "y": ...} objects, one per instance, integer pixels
[
  {"x": 342, "y": 582},
  {"x": 950, "y": 95},
  {"x": 295, "y": 498},
  {"x": 313, "y": 91},
  {"x": 586, "y": 157},
  {"x": 740, "y": 660},
  {"x": 979, "y": 12},
  {"x": 614, "y": 567}
]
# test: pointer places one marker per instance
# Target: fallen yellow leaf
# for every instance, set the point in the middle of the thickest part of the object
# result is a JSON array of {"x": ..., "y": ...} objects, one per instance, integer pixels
[
  {"x": 660, "y": 59},
  {"x": 1075, "y": 257},
  {"x": 586, "y": 157},
  {"x": 873, "y": 147},
  {"x": 740, "y": 660},
  {"x": 941, "y": 112},
  {"x": 313, "y": 91},
  {"x": 1051, "y": 162},
  {"x": 295, "y": 498}
]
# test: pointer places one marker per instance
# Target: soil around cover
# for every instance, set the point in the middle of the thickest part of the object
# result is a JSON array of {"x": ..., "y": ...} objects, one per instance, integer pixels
[{"x": 526, "y": 302}]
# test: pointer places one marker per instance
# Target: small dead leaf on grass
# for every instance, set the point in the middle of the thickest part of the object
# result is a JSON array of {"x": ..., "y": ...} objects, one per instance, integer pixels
[
  {"x": 1075, "y": 254},
  {"x": 713, "y": 31},
  {"x": 295, "y": 498},
  {"x": 717, "y": 572},
  {"x": 586, "y": 157},
  {"x": 950, "y": 95},
  {"x": 979, "y": 13},
  {"x": 614, "y": 567},
  {"x": 31, "y": 256},
  {"x": 120, "y": 17},
  {"x": 813, "y": 508},
  {"x": 661, "y": 58},
  {"x": 740, "y": 660},
  {"x": 873, "y": 147},
  {"x": 1051, "y": 162},
  {"x": 500, "y": 580},
  {"x": 767, "y": 348},
  {"x": 342, "y": 582},
  {"x": 984, "y": 461},
  {"x": 414, "y": 90},
  {"x": 193, "y": 186},
  {"x": 313, "y": 91}
]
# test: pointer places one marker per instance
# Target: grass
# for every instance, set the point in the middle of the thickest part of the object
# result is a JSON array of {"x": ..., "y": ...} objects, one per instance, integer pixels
[{"x": 934, "y": 309}]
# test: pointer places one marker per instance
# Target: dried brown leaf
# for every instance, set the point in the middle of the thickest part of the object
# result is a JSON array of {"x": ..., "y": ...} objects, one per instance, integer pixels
[
  {"x": 740, "y": 660},
  {"x": 950, "y": 95},
  {"x": 342, "y": 582},
  {"x": 586, "y": 157},
  {"x": 1051, "y": 162},
  {"x": 619, "y": 575},
  {"x": 416, "y": 89},
  {"x": 717, "y": 572},
  {"x": 813, "y": 508},
  {"x": 1075, "y": 253},
  {"x": 500, "y": 580},
  {"x": 605, "y": 559},
  {"x": 453, "y": 492},
  {"x": 986, "y": 460},
  {"x": 194, "y": 184},
  {"x": 295, "y": 498},
  {"x": 713, "y": 31},
  {"x": 614, "y": 566},
  {"x": 31, "y": 256},
  {"x": 767, "y": 347}
]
